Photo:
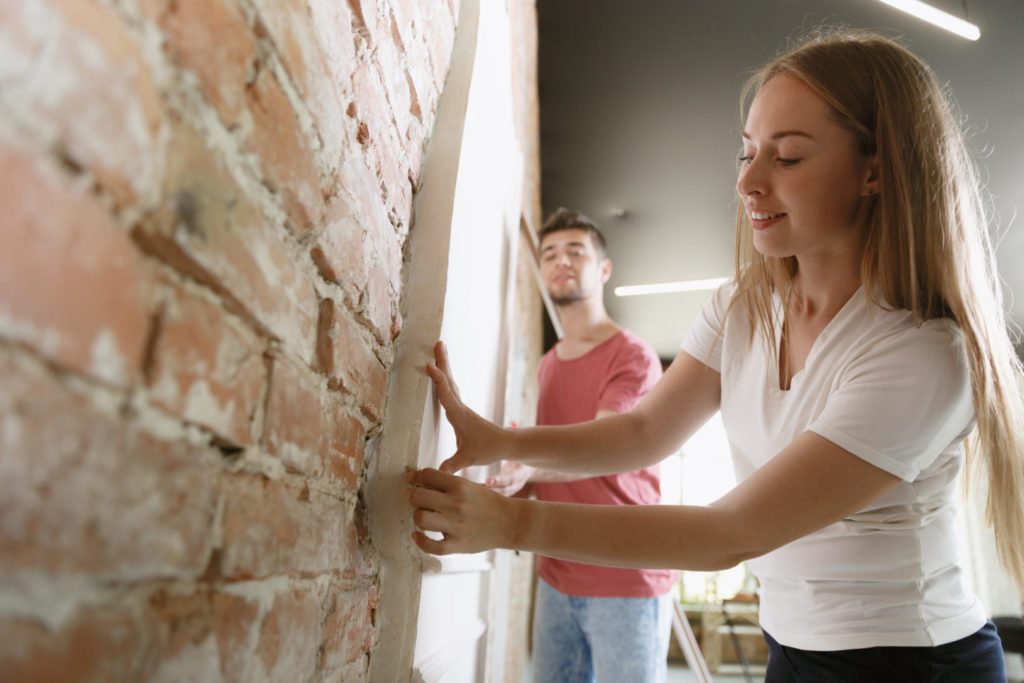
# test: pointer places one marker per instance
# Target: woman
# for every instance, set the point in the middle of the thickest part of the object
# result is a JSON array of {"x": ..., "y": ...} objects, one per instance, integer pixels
[{"x": 861, "y": 341}]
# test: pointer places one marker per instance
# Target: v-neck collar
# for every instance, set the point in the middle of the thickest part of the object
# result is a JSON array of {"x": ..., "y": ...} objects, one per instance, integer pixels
[{"x": 819, "y": 341}]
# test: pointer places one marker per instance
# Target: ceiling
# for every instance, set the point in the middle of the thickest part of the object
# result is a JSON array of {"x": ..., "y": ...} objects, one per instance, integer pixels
[{"x": 640, "y": 126}]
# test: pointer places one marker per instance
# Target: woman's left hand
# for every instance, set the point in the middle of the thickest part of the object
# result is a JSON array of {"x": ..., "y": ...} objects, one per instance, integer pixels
[{"x": 470, "y": 517}]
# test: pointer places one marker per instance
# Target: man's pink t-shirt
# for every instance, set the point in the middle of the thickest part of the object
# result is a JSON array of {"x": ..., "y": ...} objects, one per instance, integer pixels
[{"x": 614, "y": 375}]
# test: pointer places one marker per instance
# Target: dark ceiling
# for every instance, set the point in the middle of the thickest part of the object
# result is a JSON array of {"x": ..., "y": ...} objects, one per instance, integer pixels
[{"x": 640, "y": 126}]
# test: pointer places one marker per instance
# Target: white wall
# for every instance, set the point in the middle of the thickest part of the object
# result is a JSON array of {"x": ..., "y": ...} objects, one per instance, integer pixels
[{"x": 454, "y": 613}]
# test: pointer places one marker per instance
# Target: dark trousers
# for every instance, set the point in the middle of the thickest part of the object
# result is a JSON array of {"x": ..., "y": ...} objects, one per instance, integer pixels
[{"x": 978, "y": 658}]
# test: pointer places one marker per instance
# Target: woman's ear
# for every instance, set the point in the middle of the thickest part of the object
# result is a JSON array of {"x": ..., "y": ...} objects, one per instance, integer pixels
[{"x": 871, "y": 182}]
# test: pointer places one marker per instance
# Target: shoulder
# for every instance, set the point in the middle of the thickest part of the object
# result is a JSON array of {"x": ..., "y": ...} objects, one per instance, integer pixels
[
  {"x": 635, "y": 348},
  {"x": 895, "y": 334},
  {"x": 891, "y": 354}
]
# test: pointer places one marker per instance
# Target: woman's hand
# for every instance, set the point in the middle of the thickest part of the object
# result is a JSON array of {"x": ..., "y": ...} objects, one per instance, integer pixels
[
  {"x": 478, "y": 441},
  {"x": 470, "y": 517}
]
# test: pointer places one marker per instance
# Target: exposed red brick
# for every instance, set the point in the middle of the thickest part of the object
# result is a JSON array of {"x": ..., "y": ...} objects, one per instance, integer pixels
[
  {"x": 369, "y": 19},
  {"x": 317, "y": 48},
  {"x": 97, "y": 496},
  {"x": 414, "y": 153},
  {"x": 440, "y": 36},
  {"x": 213, "y": 39},
  {"x": 284, "y": 152},
  {"x": 392, "y": 76},
  {"x": 394, "y": 174},
  {"x": 349, "y": 633},
  {"x": 365, "y": 196},
  {"x": 338, "y": 251},
  {"x": 88, "y": 491},
  {"x": 423, "y": 92},
  {"x": 295, "y": 427},
  {"x": 234, "y": 618},
  {"x": 371, "y": 108},
  {"x": 380, "y": 304},
  {"x": 290, "y": 637},
  {"x": 346, "y": 449},
  {"x": 344, "y": 356},
  {"x": 99, "y": 645},
  {"x": 403, "y": 14},
  {"x": 271, "y": 529},
  {"x": 382, "y": 143},
  {"x": 208, "y": 230},
  {"x": 205, "y": 635},
  {"x": 86, "y": 48},
  {"x": 357, "y": 13},
  {"x": 206, "y": 371},
  {"x": 72, "y": 286}
]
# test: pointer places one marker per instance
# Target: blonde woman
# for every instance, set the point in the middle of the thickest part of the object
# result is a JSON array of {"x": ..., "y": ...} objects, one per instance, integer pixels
[{"x": 860, "y": 343}]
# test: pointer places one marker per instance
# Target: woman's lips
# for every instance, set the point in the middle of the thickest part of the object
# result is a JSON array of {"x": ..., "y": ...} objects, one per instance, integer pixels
[{"x": 761, "y": 220}]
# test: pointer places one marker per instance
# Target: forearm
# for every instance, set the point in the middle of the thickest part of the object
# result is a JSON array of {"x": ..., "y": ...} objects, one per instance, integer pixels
[
  {"x": 674, "y": 410},
  {"x": 618, "y": 443},
  {"x": 631, "y": 536},
  {"x": 553, "y": 477}
]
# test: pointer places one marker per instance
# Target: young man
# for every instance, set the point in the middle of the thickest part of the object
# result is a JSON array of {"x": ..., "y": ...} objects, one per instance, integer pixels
[{"x": 591, "y": 620}]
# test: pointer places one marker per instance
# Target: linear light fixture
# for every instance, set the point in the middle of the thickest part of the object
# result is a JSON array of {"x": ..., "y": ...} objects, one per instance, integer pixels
[
  {"x": 668, "y": 287},
  {"x": 936, "y": 16}
]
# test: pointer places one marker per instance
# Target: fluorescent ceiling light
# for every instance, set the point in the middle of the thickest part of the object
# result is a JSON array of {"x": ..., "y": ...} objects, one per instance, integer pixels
[
  {"x": 936, "y": 16},
  {"x": 667, "y": 287}
]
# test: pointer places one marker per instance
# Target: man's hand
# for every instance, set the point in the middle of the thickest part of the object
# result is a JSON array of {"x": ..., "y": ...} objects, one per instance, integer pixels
[
  {"x": 478, "y": 441},
  {"x": 511, "y": 479}
]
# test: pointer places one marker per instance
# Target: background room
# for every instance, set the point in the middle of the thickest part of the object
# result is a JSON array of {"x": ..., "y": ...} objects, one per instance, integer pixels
[{"x": 640, "y": 129}]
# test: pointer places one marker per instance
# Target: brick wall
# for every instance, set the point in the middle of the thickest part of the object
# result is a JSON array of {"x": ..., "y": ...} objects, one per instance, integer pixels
[{"x": 204, "y": 211}]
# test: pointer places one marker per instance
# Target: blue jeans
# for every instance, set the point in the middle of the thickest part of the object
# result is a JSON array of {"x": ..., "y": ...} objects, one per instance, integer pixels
[
  {"x": 978, "y": 658},
  {"x": 609, "y": 640}
]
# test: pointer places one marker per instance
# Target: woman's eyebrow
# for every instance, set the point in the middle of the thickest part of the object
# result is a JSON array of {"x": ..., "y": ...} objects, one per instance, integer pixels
[{"x": 784, "y": 134}]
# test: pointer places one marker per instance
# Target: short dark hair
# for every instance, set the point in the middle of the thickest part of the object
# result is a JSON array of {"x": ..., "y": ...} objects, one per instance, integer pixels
[{"x": 564, "y": 219}]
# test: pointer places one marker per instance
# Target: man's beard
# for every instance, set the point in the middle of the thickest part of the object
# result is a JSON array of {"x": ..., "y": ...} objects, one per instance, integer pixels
[{"x": 567, "y": 298}]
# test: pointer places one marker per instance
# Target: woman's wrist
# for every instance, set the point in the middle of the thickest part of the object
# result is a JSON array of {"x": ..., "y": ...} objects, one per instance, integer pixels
[
  {"x": 509, "y": 448},
  {"x": 520, "y": 512}
]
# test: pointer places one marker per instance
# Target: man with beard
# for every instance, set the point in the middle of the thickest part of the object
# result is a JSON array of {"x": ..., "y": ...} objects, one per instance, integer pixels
[{"x": 589, "y": 621}]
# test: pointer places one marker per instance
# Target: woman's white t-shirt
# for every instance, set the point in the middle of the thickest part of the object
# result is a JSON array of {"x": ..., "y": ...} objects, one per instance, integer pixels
[{"x": 896, "y": 395}]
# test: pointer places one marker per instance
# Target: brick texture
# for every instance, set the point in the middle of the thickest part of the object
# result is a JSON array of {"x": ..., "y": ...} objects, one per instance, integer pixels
[
  {"x": 344, "y": 356},
  {"x": 206, "y": 370},
  {"x": 212, "y": 40},
  {"x": 86, "y": 492},
  {"x": 271, "y": 528},
  {"x": 98, "y": 647},
  {"x": 58, "y": 238},
  {"x": 206, "y": 205},
  {"x": 77, "y": 77},
  {"x": 211, "y": 231},
  {"x": 348, "y": 633}
]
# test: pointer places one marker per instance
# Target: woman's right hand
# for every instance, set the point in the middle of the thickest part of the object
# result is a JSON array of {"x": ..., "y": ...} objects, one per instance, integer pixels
[
  {"x": 478, "y": 441},
  {"x": 471, "y": 518}
]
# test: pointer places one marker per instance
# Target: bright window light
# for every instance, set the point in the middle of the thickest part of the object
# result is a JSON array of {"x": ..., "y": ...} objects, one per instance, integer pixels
[
  {"x": 668, "y": 287},
  {"x": 936, "y": 16}
]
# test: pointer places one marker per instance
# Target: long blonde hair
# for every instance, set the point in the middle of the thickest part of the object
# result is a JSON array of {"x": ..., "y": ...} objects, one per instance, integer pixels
[{"x": 927, "y": 248}]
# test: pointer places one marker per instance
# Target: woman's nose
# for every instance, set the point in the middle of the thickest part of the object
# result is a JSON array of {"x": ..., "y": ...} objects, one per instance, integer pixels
[{"x": 751, "y": 178}]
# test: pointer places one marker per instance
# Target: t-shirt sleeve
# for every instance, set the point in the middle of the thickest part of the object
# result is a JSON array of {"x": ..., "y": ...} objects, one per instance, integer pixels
[
  {"x": 904, "y": 401},
  {"x": 636, "y": 369},
  {"x": 703, "y": 340}
]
